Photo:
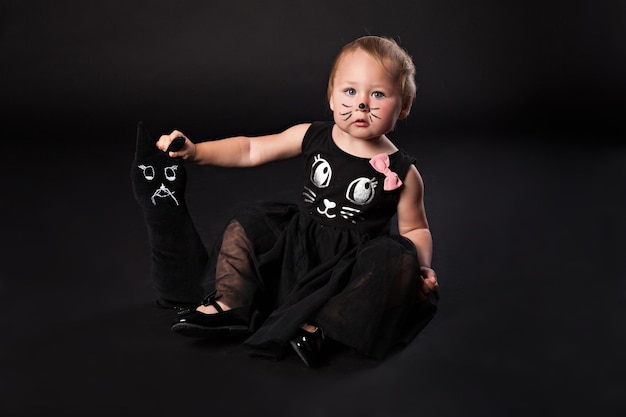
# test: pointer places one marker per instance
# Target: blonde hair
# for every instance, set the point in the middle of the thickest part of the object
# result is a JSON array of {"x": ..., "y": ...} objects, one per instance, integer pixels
[{"x": 395, "y": 59}]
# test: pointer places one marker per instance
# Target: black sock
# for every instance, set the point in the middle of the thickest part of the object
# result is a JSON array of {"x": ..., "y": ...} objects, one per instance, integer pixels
[{"x": 178, "y": 254}]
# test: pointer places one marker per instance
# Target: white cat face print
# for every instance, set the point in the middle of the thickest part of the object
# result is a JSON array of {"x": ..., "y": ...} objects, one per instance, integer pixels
[{"x": 346, "y": 205}]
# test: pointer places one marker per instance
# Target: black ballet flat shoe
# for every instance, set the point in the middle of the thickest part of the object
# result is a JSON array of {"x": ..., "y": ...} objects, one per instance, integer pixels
[
  {"x": 309, "y": 347},
  {"x": 223, "y": 324}
]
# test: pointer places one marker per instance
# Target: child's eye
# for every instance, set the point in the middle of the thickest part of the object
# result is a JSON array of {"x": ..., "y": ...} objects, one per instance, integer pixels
[
  {"x": 378, "y": 94},
  {"x": 350, "y": 91}
]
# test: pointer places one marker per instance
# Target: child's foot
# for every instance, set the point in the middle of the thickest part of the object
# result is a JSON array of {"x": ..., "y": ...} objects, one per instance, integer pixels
[{"x": 211, "y": 309}]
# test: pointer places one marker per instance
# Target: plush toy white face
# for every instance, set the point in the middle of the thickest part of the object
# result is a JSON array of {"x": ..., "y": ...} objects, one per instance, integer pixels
[{"x": 167, "y": 174}]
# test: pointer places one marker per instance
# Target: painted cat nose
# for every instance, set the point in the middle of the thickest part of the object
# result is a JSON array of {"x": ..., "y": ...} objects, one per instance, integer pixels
[{"x": 362, "y": 106}]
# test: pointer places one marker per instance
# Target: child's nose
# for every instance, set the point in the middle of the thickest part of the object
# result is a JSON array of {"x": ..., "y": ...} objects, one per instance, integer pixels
[{"x": 362, "y": 106}]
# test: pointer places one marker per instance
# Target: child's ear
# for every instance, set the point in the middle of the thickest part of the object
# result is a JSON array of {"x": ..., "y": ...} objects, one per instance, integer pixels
[
  {"x": 406, "y": 109},
  {"x": 331, "y": 104}
]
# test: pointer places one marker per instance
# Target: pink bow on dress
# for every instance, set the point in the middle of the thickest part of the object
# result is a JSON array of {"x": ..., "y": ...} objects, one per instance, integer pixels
[{"x": 380, "y": 163}]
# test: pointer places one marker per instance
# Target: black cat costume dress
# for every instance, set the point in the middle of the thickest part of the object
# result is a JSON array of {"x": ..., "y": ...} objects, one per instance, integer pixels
[{"x": 329, "y": 260}]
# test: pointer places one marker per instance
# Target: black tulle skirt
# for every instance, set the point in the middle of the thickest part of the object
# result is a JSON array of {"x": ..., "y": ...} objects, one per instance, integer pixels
[{"x": 364, "y": 292}]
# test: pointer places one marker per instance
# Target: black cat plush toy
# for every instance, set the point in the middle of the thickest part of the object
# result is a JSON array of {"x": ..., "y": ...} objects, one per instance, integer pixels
[{"x": 178, "y": 255}]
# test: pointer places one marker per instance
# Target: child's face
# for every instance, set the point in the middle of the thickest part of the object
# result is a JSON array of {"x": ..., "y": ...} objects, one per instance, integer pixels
[{"x": 365, "y": 100}]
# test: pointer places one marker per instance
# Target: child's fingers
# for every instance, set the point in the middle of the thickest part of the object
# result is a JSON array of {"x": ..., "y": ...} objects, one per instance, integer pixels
[
  {"x": 172, "y": 142},
  {"x": 431, "y": 283}
]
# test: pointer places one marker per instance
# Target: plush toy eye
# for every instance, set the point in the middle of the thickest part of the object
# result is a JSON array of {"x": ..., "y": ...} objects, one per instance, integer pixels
[
  {"x": 361, "y": 190},
  {"x": 148, "y": 171},
  {"x": 170, "y": 172}
]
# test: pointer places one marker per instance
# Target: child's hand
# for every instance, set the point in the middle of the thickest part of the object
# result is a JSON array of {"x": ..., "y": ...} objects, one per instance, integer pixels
[
  {"x": 430, "y": 280},
  {"x": 187, "y": 151}
]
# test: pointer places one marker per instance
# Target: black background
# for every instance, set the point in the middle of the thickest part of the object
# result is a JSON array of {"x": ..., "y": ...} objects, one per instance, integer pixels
[
  {"x": 518, "y": 132},
  {"x": 487, "y": 65}
]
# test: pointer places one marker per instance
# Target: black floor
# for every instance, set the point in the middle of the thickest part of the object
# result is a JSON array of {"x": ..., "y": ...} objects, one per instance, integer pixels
[{"x": 529, "y": 238}]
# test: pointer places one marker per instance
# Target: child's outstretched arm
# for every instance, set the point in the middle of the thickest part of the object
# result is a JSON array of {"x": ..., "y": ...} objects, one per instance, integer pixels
[
  {"x": 413, "y": 224},
  {"x": 239, "y": 151}
]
